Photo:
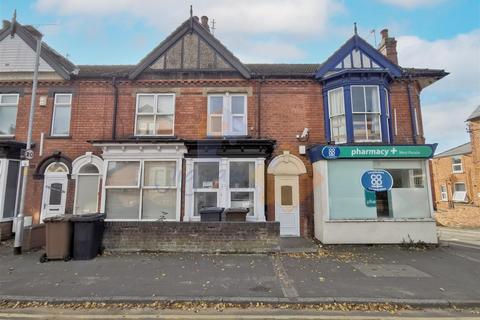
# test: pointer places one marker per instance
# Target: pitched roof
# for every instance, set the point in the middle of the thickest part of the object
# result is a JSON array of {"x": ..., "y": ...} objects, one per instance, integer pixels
[
  {"x": 475, "y": 114},
  {"x": 284, "y": 69},
  {"x": 64, "y": 67},
  {"x": 190, "y": 24},
  {"x": 459, "y": 150}
]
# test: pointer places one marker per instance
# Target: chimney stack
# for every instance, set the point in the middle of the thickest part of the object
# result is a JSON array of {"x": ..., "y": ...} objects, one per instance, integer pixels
[
  {"x": 6, "y": 24},
  {"x": 388, "y": 46},
  {"x": 205, "y": 23}
]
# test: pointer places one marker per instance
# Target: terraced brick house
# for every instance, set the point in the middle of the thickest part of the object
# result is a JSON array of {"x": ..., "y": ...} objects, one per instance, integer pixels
[{"x": 191, "y": 126}]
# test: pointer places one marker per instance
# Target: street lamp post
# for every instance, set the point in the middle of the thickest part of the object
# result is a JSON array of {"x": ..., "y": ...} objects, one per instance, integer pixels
[{"x": 17, "y": 248}]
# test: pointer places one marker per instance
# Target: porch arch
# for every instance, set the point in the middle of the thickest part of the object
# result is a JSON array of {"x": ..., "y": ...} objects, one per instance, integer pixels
[{"x": 286, "y": 164}]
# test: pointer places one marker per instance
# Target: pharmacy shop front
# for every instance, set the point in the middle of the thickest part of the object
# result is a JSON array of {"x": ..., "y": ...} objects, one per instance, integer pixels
[{"x": 372, "y": 194}]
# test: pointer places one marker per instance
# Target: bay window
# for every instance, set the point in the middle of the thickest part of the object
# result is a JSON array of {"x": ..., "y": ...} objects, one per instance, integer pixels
[
  {"x": 8, "y": 114},
  {"x": 142, "y": 190},
  {"x": 338, "y": 129},
  {"x": 155, "y": 114},
  {"x": 62, "y": 109},
  {"x": 206, "y": 176},
  {"x": 227, "y": 115},
  {"x": 366, "y": 113}
]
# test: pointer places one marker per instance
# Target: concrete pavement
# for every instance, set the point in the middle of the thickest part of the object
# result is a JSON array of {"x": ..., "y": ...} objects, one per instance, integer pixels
[
  {"x": 459, "y": 236},
  {"x": 425, "y": 277}
]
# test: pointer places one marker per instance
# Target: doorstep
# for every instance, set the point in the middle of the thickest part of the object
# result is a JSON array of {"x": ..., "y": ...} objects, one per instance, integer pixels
[{"x": 297, "y": 244}]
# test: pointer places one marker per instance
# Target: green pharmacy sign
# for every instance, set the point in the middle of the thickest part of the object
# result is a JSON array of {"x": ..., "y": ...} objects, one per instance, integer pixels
[{"x": 331, "y": 152}]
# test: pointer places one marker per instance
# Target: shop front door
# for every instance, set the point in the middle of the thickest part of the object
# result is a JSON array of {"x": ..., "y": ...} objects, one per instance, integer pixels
[
  {"x": 54, "y": 196},
  {"x": 287, "y": 208}
]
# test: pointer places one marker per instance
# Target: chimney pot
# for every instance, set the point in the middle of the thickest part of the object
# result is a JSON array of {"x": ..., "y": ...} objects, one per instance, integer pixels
[
  {"x": 384, "y": 33},
  {"x": 205, "y": 23}
]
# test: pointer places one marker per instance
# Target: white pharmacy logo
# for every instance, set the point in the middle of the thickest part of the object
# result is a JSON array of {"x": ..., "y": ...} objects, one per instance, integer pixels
[
  {"x": 376, "y": 180},
  {"x": 331, "y": 152}
]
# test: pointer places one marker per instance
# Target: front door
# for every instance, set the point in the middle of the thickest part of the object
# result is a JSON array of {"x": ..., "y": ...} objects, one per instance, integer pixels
[
  {"x": 54, "y": 196},
  {"x": 287, "y": 208}
]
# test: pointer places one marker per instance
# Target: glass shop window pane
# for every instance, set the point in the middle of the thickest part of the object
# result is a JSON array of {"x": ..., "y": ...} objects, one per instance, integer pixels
[
  {"x": 205, "y": 175},
  {"x": 146, "y": 103},
  {"x": 11, "y": 189},
  {"x": 122, "y": 203},
  {"x": 159, "y": 204},
  {"x": 145, "y": 125},
  {"x": 160, "y": 174},
  {"x": 122, "y": 173},
  {"x": 243, "y": 200},
  {"x": 56, "y": 190},
  {"x": 358, "y": 99},
  {"x": 87, "y": 194},
  {"x": 287, "y": 196},
  {"x": 242, "y": 175},
  {"x": 204, "y": 200}
]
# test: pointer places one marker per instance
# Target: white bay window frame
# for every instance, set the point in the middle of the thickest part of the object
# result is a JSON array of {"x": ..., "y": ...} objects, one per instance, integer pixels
[
  {"x": 366, "y": 113},
  {"x": 337, "y": 116},
  {"x": 224, "y": 191},
  {"x": 154, "y": 113},
  {"x": 227, "y": 116}
]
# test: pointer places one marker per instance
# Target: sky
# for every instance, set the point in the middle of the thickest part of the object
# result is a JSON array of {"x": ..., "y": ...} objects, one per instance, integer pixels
[{"x": 441, "y": 34}]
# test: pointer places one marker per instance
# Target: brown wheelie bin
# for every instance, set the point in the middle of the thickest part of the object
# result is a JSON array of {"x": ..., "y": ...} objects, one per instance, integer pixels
[{"x": 58, "y": 238}]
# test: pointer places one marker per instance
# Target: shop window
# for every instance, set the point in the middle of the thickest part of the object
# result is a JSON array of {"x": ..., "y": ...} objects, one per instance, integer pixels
[
  {"x": 336, "y": 105},
  {"x": 366, "y": 113},
  {"x": 206, "y": 177},
  {"x": 443, "y": 193},
  {"x": 227, "y": 115},
  {"x": 155, "y": 115},
  {"x": 62, "y": 109},
  {"x": 457, "y": 165},
  {"x": 242, "y": 185},
  {"x": 141, "y": 190},
  {"x": 460, "y": 192},
  {"x": 8, "y": 114},
  {"x": 407, "y": 178}
]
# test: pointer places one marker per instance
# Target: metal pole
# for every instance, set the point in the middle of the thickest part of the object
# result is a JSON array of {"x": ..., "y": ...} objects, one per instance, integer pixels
[{"x": 17, "y": 248}]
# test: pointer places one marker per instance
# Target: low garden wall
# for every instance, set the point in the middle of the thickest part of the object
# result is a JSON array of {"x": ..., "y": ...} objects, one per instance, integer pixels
[
  {"x": 5, "y": 230},
  {"x": 208, "y": 237}
]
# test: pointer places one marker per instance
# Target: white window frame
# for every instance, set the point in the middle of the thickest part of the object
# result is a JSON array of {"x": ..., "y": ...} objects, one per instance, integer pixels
[
  {"x": 140, "y": 185},
  {"x": 443, "y": 192},
  {"x": 387, "y": 113},
  {"x": 455, "y": 165},
  {"x": 78, "y": 164},
  {"x": 459, "y": 196},
  {"x": 379, "y": 113},
  {"x": 227, "y": 115},
  {"x": 10, "y": 105},
  {"x": 230, "y": 190},
  {"x": 337, "y": 115},
  {"x": 55, "y": 105},
  {"x": 207, "y": 190},
  {"x": 224, "y": 190},
  {"x": 154, "y": 114}
]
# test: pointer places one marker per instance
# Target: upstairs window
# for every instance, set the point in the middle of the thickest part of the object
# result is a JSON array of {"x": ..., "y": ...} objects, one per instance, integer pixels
[
  {"x": 155, "y": 115},
  {"x": 8, "y": 114},
  {"x": 62, "y": 109},
  {"x": 366, "y": 114},
  {"x": 338, "y": 129},
  {"x": 457, "y": 165},
  {"x": 227, "y": 115}
]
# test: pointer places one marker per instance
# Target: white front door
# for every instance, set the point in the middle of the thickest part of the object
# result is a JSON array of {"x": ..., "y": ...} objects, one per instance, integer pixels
[
  {"x": 287, "y": 207},
  {"x": 54, "y": 196}
]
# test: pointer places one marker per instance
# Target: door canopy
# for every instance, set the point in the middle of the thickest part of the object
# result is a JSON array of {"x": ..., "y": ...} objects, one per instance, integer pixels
[{"x": 286, "y": 164}]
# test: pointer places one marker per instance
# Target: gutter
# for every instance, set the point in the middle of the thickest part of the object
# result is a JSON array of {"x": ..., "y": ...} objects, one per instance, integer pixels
[{"x": 115, "y": 108}]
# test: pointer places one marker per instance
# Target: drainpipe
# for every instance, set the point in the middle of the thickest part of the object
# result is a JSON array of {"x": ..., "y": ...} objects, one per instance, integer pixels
[
  {"x": 412, "y": 112},
  {"x": 115, "y": 108},
  {"x": 259, "y": 107}
]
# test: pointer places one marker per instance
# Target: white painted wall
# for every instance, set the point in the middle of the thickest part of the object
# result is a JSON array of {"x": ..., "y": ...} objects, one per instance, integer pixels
[{"x": 17, "y": 56}]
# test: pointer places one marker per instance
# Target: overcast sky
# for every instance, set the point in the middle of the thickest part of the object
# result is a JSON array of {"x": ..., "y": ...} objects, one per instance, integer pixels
[{"x": 442, "y": 34}]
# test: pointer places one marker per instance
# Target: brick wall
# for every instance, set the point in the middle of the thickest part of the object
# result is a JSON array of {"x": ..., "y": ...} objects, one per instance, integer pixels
[
  {"x": 443, "y": 175},
  {"x": 5, "y": 230},
  {"x": 208, "y": 237}
]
